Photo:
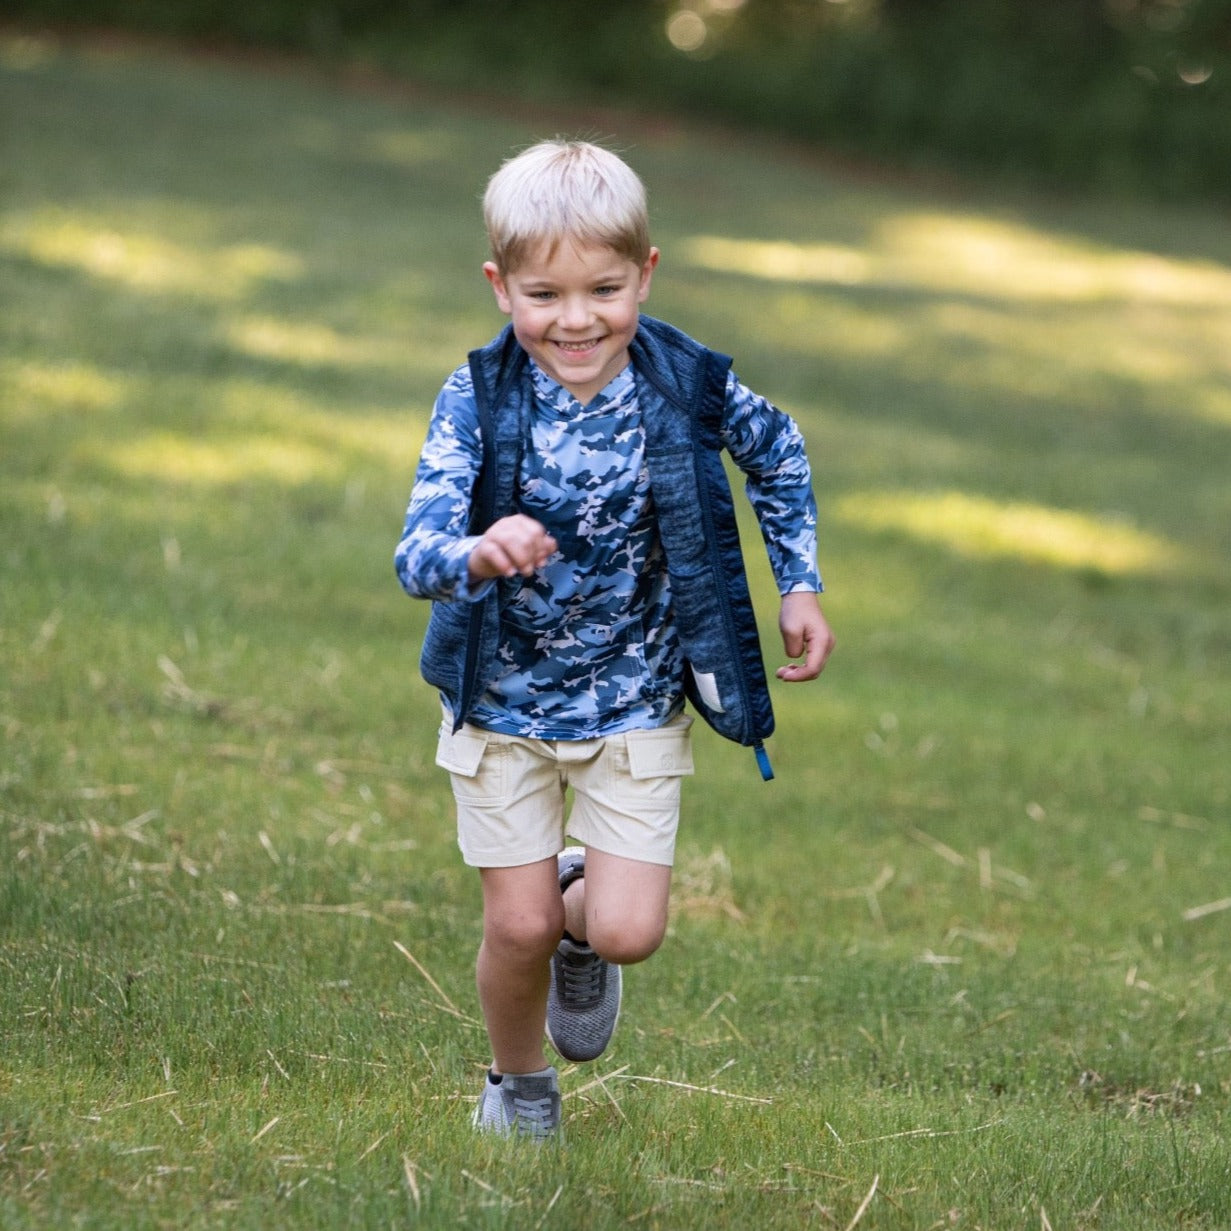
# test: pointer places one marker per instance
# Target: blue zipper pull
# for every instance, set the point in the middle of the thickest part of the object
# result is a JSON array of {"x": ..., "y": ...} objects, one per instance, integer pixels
[{"x": 767, "y": 770}]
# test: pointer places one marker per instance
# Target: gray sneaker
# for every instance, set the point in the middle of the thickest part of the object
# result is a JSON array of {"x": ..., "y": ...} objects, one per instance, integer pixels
[
  {"x": 583, "y": 1004},
  {"x": 522, "y": 1105}
]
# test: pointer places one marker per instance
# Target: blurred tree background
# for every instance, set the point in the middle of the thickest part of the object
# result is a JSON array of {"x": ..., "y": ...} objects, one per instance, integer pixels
[{"x": 1118, "y": 95}]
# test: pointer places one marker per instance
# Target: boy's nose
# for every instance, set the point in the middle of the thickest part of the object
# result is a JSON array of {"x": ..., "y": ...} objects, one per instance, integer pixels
[{"x": 575, "y": 313}]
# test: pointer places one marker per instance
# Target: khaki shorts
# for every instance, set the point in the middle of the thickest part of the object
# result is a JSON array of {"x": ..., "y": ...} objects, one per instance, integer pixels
[{"x": 510, "y": 793}]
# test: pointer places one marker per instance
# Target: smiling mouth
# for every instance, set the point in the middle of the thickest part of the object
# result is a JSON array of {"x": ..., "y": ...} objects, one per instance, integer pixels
[{"x": 577, "y": 348}]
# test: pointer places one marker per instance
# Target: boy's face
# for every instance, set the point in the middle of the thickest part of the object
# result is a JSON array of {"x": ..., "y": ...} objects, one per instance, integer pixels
[{"x": 575, "y": 311}]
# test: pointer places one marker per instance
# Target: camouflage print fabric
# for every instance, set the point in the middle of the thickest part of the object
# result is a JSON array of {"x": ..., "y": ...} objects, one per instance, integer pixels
[{"x": 587, "y": 646}]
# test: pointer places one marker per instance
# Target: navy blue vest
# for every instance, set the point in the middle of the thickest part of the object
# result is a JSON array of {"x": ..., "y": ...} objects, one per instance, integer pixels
[{"x": 681, "y": 390}]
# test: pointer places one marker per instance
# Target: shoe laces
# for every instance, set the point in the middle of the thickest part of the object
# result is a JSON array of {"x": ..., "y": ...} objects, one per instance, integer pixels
[
  {"x": 581, "y": 978},
  {"x": 532, "y": 1116}
]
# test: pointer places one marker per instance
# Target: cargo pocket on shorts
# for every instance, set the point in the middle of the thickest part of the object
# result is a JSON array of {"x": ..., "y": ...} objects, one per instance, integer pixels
[
  {"x": 664, "y": 752},
  {"x": 464, "y": 754}
]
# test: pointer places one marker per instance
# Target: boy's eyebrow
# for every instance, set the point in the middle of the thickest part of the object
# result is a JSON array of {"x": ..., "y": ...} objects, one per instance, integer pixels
[{"x": 604, "y": 276}]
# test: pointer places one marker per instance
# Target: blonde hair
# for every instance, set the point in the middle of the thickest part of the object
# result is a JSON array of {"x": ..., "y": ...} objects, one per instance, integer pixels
[{"x": 558, "y": 190}]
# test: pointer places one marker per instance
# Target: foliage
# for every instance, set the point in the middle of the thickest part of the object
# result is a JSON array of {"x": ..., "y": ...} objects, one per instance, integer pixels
[
  {"x": 963, "y": 964},
  {"x": 1126, "y": 95}
]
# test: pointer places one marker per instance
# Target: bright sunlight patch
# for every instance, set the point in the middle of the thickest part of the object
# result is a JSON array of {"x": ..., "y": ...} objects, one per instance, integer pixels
[
  {"x": 308, "y": 343},
  {"x": 980, "y": 528},
  {"x": 779, "y": 260},
  {"x": 174, "y": 459},
  {"x": 69, "y": 385},
  {"x": 145, "y": 261},
  {"x": 973, "y": 255}
]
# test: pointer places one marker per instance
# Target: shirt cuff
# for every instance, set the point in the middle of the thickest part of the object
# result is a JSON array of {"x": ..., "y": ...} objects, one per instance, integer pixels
[
  {"x": 463, "y": 591},
  {"x": 797, "y": 585}
]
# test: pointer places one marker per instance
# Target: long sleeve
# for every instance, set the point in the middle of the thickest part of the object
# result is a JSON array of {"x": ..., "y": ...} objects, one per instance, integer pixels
[
  {"x": 432, "y": 555},
  {"x": 768, "y": 447}
]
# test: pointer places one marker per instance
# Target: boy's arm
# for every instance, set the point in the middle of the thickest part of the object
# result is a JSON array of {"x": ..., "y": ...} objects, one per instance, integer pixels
[
  {"x": 437, "y": 557},
  {"x": 805, "y": 634},
  {"x": 433, "y": 554},
  {"x": 767, "y": 445}
]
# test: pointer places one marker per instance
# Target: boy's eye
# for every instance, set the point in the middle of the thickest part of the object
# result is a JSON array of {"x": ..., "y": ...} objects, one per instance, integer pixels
[{"x": 606, "y": 290}]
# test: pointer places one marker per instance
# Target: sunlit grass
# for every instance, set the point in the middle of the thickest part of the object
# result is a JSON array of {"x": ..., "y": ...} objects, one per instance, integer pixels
[
  {"x": 1017, "y": 262},
  {"x": 308, "y": 343},
  {"x": 984, "y": 529},
  {"x": 144, "y": 261},
  {"x": 33, "y": 387},
  {"x": 174, "y": 459},
  {"x": 999, "y": 287},
  {"x": 975, "y": 254},
  {"x": 298, "y": 441},
  {"x": 779, "y": 260}
]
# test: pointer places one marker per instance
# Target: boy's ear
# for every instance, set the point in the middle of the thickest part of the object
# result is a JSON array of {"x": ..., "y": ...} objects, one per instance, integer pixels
[
  {"x": 647, "y": 272},
  {"x": 495, "y": 277}
]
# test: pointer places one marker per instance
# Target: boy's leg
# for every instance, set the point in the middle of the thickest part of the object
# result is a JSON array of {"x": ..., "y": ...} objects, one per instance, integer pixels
[
  {"x": 523, "y": 919},
  {"x": 619, "y": 907},
  {"x": 626, "y": 812},
  {"x": 624, "y": 913}
]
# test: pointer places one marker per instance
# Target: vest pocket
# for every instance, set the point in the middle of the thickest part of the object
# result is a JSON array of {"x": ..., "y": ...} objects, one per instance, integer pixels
[{"x": 706, "y": 684}]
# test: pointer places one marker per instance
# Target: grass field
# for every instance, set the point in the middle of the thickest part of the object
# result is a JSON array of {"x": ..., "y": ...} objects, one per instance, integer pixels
[{"x": 965, "y": 963}]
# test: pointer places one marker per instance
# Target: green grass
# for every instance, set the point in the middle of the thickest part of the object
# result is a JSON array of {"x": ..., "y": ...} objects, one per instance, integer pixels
[{"x": 946, "y": 971}]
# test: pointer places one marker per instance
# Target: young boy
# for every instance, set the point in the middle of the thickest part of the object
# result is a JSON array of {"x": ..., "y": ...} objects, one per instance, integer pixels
[{"x": 572, "y": 525}]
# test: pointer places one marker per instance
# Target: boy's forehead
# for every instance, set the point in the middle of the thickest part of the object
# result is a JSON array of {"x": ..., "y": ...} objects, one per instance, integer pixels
[{"x": 554, "y": 257}]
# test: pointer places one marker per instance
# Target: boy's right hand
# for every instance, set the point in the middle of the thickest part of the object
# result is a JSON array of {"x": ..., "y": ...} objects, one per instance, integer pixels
[{"x": 512, "y": 545}]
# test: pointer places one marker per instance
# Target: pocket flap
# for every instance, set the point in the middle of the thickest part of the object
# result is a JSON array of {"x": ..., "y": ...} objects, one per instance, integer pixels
[
  {"x": 460, "y": 752},
  {"x": 665, "y": 752}
]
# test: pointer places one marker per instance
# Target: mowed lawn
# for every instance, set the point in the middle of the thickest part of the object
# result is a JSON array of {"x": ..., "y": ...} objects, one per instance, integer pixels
[{"x": 965, "y": 963}]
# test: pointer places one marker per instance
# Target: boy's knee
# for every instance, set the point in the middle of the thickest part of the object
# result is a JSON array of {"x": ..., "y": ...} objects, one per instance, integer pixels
[
  {"x": 627, "y": 942},
  {"x": 528, "y": 931}
]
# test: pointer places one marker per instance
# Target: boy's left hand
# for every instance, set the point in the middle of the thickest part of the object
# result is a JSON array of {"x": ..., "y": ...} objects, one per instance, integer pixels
[{"x": 805, "y": 634}]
